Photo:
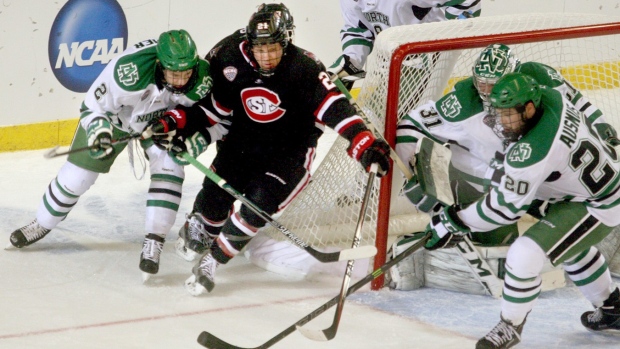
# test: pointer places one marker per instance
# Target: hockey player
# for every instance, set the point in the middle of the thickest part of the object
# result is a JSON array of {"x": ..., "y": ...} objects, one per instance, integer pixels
[
  {"x": 364, "y": 20},
  {"x": 554, "y": 154},
  {"x": 141, "y": 84},
  {"x": 275, "y": 99}
]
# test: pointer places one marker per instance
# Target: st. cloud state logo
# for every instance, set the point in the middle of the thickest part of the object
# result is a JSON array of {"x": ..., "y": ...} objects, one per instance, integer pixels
[{"x": 261, "y": 104}]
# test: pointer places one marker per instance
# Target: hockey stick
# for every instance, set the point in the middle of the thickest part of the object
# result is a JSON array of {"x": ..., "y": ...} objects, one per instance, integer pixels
[
  {"x": 52, "y": 153},
  {"x": 354, "y": 253},
  {"x": 330, "y": 332},
  {"x": 210, "y": 341},
  {"x": 481, "y": 269}
]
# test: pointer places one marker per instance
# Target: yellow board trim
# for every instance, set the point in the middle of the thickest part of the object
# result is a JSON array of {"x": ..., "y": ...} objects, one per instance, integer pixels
[{"x": 37, "y": 136}]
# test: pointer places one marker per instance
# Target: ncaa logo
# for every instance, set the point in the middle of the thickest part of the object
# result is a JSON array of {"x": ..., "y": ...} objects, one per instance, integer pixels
[
  {"x": 261, "y": 104},
  {"x": 85, "y": 36}
]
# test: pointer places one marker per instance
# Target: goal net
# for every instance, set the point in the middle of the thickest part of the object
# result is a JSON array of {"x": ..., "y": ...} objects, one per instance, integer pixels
[{"x": 413, "y": 64}]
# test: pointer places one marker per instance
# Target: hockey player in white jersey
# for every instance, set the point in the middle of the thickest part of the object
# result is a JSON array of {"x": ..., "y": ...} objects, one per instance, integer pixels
[
  {"x": 554, "y": 154},
  {"x": 141, "y": 84},
  {"x": 364, "y": 20}
]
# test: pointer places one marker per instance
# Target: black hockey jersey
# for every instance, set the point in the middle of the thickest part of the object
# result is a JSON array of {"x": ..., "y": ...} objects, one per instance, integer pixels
[{"x": 287, "y": 110}]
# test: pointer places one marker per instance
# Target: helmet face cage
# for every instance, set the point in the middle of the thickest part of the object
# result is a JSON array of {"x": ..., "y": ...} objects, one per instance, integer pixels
[
  {"x": 266, "y": 27},
  {"x": 494, "y": 62},
  {"x": 514, "y": 91},
  {"x": 176, "y": 51}
]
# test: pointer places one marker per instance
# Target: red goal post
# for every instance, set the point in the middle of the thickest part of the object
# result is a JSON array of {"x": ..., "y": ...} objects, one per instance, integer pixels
[{"x": 413, "y": 64}]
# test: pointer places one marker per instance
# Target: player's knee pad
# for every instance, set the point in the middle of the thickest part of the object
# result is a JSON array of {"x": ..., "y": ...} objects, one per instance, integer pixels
[
  {"x": 213, "y": 202},
  {"x": 525, "y": 259},
  {"x": 162, "y": 166},
  {"x": 263, "y": 198},
  {"x": 74, "y": 179}
]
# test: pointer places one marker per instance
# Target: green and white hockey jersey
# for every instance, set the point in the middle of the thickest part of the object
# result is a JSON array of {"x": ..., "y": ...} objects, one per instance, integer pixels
[
  {"x": 365, "y": 19},
  {"x": 458, "y": 118},
  {"x": 560, "y": 158},
  {"x": 127, "y": 91}
]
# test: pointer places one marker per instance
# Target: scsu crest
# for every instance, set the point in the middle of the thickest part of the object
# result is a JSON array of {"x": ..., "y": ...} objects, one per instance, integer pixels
[{"x": 261, "y": 105}]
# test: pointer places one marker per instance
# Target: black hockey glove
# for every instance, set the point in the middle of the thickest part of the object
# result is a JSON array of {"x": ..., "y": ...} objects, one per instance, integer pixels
[
  {"x": 368, "y": 150},
  {"x": 447, "y": 229},
  {"x": 163, "y": 129}
]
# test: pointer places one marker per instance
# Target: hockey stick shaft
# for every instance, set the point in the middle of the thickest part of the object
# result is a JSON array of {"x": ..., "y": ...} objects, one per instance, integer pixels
[
  {"x": 330, "y": 332},
  {"x": 210, "y": 341},
  {"x": 481, "y": 269},
  {"x": 357, "y": 253},
  {"x": 52, "y": 153}
]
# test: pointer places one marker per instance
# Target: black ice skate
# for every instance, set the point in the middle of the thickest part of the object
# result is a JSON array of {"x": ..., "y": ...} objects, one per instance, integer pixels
[
  {"x": 504, "y": 335},
  {"x": 149, "y": 258},
  {"x": 28, "y": 235},
  {"x": 193, "y": 237},
  {"x": 203, "y": 275},
  {"x": 605, "y": 318}
]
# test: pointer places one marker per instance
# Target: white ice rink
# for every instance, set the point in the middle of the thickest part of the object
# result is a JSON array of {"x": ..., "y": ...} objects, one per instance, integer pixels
[{"x": 80, "y": 287}]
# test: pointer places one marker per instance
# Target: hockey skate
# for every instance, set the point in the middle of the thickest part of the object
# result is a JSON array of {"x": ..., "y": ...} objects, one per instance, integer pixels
[
  {"x": 203, "y": 274},
  {"x": 28, "y": 235},
  {"x": 193, "y": 238},
  {"x": 605, "y": 318},
  {"x": 504, "y": 335},
  {"x": 149, "y": 258}
]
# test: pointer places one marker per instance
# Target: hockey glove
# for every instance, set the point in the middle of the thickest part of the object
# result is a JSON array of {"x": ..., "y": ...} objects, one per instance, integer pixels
[
  {"x": 99, "y": 133},
  {"x": 607, "y": 133},
  {"x": 424, "y": 203},
  {"x": 447, "y": 229},
  {"x": 194, "y": 146},
  {"x": 343, "y": 67},
  {"x": 163, "y": 129},
  {"x": 368, "y": 150}
]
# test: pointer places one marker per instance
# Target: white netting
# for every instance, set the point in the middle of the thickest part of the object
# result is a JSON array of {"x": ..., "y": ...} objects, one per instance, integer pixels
[{"x": 325, "y": 213}]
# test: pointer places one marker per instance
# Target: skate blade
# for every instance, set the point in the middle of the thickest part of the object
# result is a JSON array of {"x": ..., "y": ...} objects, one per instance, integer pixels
[
  {"x": 183, "y": 252},
  {"x": 10, "y": 247},
  {"x": 194, "y": 288},
  {"x": 146, "y": 277}
]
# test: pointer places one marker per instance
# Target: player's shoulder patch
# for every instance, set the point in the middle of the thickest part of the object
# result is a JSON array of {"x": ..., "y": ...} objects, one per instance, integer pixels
[
  {"x": 542, "y": 73},
  {"x": 460, "y": 104},
  {"x": 136, "y": 70}
]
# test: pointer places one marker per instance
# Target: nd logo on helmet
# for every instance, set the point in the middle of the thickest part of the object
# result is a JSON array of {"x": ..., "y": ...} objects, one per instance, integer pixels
[{"x": 85, "y": 36}]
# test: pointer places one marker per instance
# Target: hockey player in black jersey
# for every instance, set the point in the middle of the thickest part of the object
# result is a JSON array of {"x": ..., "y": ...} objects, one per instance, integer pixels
[{"x": 273, "y": 100}]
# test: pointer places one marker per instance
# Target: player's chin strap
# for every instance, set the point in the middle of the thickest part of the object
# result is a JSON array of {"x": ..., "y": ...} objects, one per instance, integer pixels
[
  {"x": 330, "y": 332},
  {"x": 478, "y": 265}
]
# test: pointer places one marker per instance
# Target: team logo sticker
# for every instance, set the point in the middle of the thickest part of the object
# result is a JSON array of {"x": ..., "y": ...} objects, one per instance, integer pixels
[
  {"x": 261, "y": 104},
  {"x": 230, "y": 73}
]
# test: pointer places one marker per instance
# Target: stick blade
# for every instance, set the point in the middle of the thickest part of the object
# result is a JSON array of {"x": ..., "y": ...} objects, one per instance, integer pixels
[
  {"x": 317, "y": 335},
  {"x": 210, "y": 341},
  {"x": 51, "y": 153},
  {"x": 360, "y": 252}
]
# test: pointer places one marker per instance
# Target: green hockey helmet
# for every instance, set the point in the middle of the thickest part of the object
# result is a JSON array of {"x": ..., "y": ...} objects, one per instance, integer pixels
[
  {"x": 514, "y": 90},
  {"x": 495, "y": 61},
  {"x": 511, "y": 94},
  {"x": 176, "y": 50}
]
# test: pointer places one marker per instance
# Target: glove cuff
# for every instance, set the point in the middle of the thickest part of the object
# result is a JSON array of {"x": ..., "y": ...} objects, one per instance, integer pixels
[{"x": 360, "y": 143}]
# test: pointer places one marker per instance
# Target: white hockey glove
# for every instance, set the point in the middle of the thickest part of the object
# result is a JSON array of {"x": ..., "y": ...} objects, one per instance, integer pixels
[
  {"x": 99, "y": 135},
  {"x": 607, "y": 133},
  {"x": 346, "y": 71},
  {"x": 194, "y": 146},
  {"x": 424, "y": 203},
  {"x": 447, "y": 229}
]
